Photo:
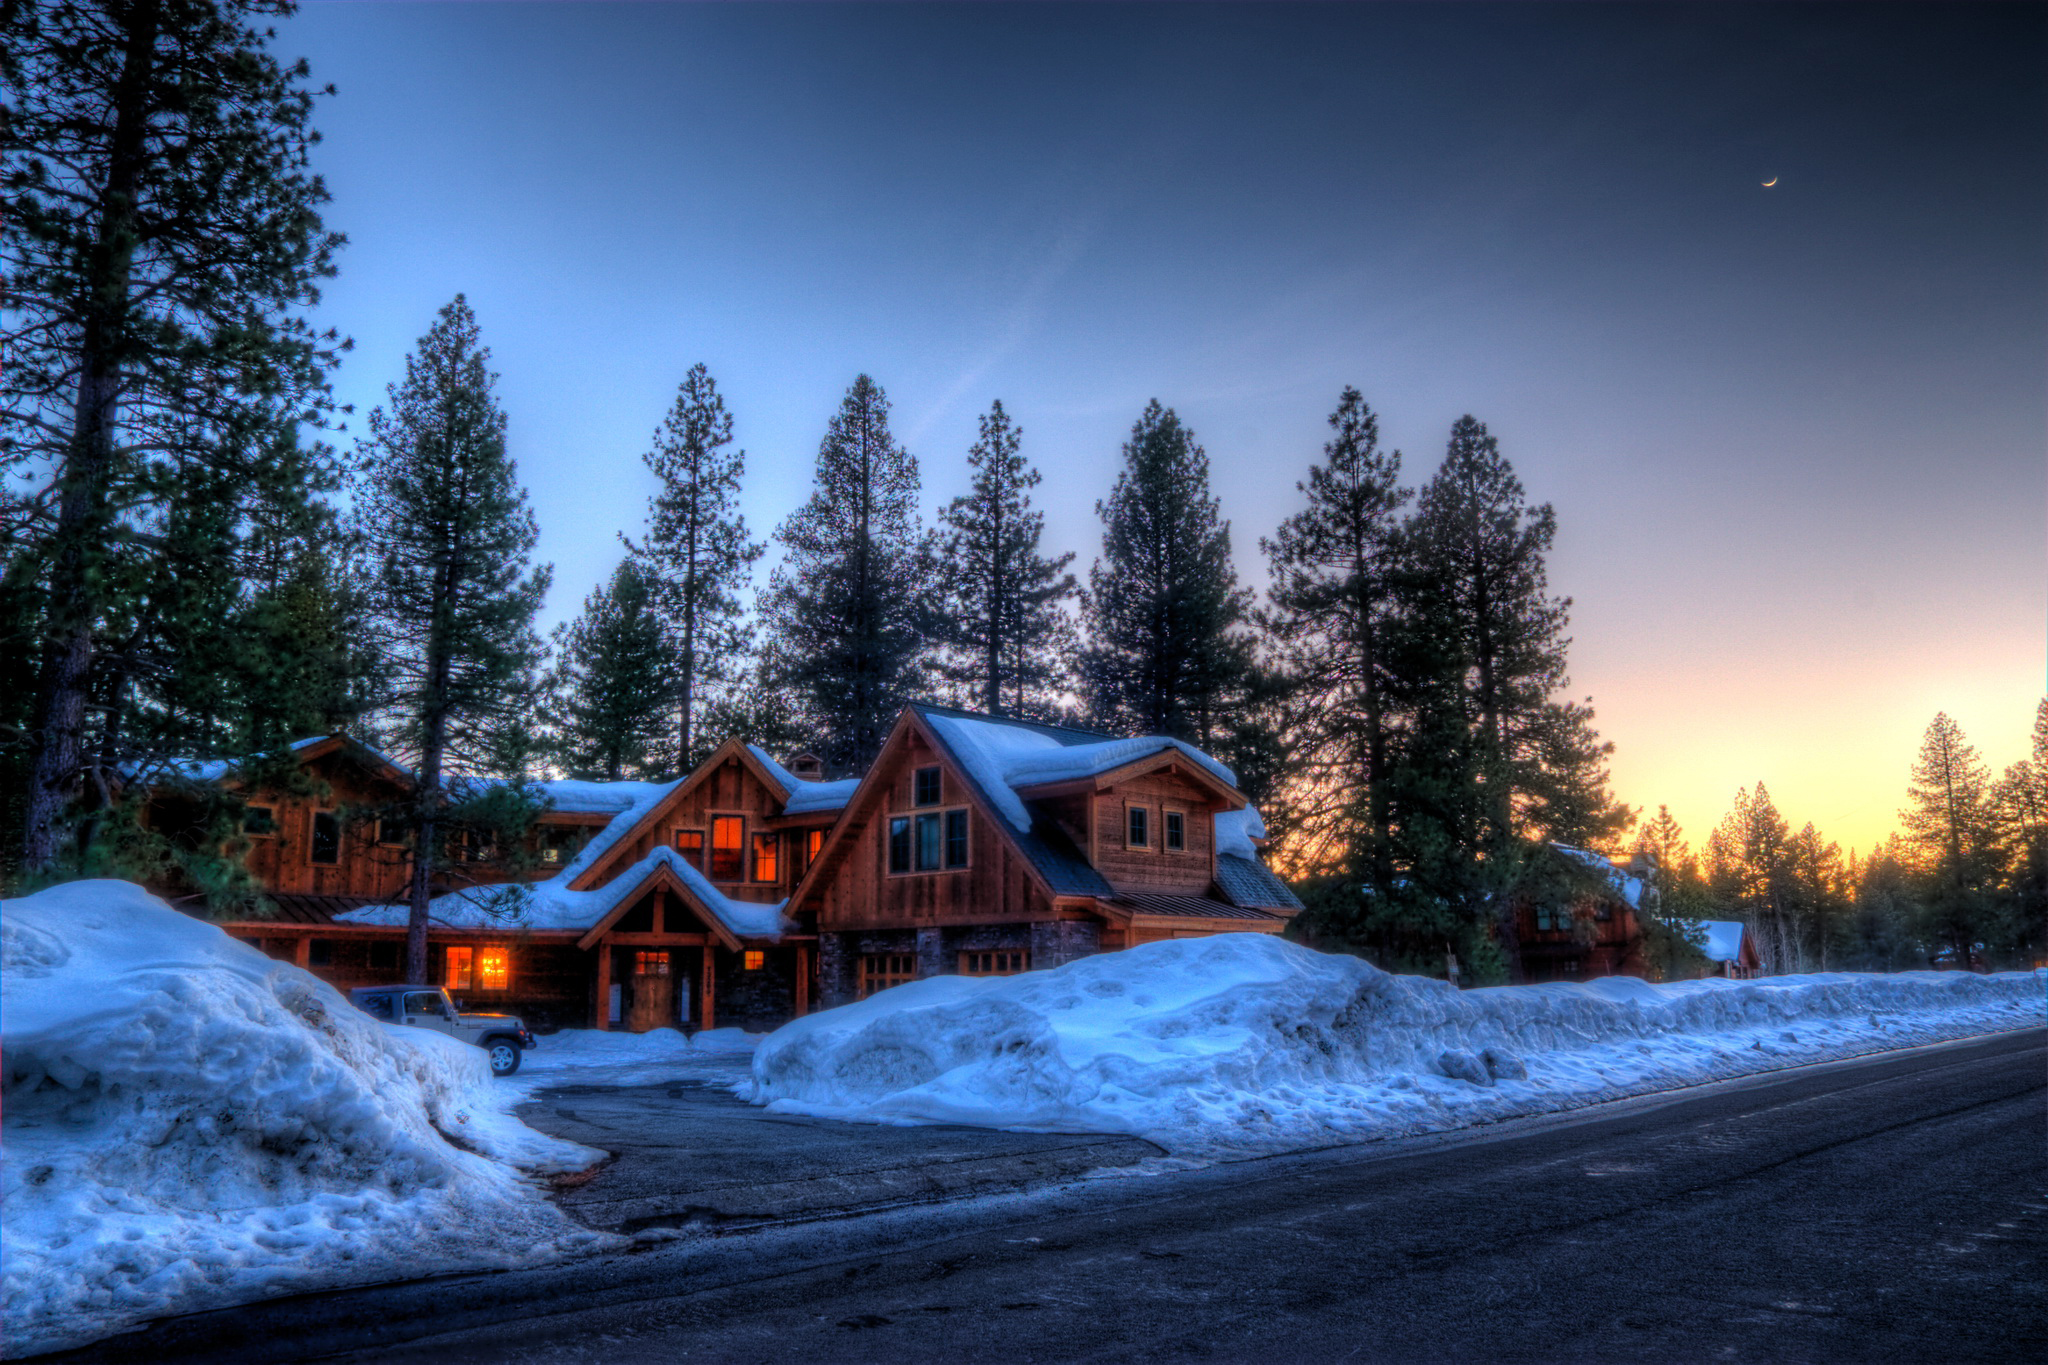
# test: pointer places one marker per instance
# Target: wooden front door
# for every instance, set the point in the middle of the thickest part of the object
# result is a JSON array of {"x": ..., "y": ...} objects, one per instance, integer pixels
[{"x": 652, "y": 991}]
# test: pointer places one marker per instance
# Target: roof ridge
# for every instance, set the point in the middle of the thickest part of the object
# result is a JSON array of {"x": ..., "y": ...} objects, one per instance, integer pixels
[{"x": 1017, "y": 721}]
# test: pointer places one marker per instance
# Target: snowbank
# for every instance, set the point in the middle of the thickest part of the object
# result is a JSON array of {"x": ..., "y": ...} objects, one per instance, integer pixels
[
  {"x": 1243, "y": 1043},
  {"x": 190, "y": 1125},
  {"x": 586, "y": 1056}
]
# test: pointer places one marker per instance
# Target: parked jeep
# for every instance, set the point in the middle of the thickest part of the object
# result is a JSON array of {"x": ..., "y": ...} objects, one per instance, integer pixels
[{"x": 502, "y": 1036}]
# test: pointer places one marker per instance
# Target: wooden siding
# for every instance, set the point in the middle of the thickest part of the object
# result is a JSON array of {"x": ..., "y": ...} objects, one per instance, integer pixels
[
  {"x": 731, "y": 788},
  {"x": 995, "y": 887},
  {"x": 1155, "y": 868},
  {"x": 283, "y": 861}
]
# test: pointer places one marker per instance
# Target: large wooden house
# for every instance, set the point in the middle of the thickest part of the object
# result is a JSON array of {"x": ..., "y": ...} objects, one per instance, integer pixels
[
  {"x": 748, "y": 891},
  {"x": 987, "y": 846},
  {"x": 1599, "y": 934}
]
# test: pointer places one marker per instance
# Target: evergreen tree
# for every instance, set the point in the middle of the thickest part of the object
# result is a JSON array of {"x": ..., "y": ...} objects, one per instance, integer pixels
[
  {"x": 1949, "y": 828},
  {"x": 1818, "y": 895},
  {"x": 1006, "y": 637},
  {"x": 611, "y": 683},
  {"x": 1880, "y": 935},
  {"x": 1164, "y": 654},
  {"x": 1747, "y": 869},
  {"x": 1505, "y": 765},
  {"x": 1674, "y": 931},
  {"x": 2021, "y": 800},
  {"x": 162, "y": 237},
  {"x": 441, "y": 511},
  {"x": 696, "y": 555},
  {"x": 1334, "y": 592},
  {"x": 848, "y": 607}
]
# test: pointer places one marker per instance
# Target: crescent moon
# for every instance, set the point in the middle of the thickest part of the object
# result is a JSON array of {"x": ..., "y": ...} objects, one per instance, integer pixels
[{"x": 1772, "y": 181}]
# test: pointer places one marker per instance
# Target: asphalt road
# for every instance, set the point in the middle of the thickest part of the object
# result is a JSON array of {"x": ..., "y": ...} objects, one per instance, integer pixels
[{"x": 1888, "y": 1209}]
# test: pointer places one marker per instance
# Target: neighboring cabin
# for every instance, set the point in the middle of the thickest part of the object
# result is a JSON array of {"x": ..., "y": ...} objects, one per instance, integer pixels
[{"x": 744, "y": 892}]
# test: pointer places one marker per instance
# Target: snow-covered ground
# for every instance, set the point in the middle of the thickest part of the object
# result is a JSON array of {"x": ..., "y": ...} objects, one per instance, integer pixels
[
  {"x": 583, "y": 1056},
  {"x": 1243, "y": 1043},
  {"x": 189, "y": 1124}
]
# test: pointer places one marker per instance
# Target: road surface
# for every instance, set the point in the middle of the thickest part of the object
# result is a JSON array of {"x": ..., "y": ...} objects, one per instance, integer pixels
[{"x": 1892, "y": 1208}]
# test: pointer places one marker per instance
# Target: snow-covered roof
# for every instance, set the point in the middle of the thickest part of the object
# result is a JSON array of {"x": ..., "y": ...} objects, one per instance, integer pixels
[
  {"x": 1629, "y": 888},
  {"x": 552, "y": 905},
  {"x": 1002, "y": 755},
  {"x": 1724, "y": 940},
  {"x": 215, "y": 769},
  {"x": 805, "y": 797},
  {"x": 1235, "y": 831}
]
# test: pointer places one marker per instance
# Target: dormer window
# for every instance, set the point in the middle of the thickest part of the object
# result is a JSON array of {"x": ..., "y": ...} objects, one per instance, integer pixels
[
  {"x": 1176, "y": 832},
  {"x": 1138, "y": 827},
  {"x": 925, "y": 787},
  {"x": 807, "y": 767}
]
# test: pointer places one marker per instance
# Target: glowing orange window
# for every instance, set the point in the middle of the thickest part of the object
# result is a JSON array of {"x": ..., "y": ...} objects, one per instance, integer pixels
[
  {"x": 727, "y": 833},
  {"x": 756, "y": 960},
  {"x": 457, "y": 976},
  {"x": 493, "y": 969}
]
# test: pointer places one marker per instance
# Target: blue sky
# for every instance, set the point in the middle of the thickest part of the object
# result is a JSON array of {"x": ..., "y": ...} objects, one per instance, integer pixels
[{"x": 1794, "y": 435}]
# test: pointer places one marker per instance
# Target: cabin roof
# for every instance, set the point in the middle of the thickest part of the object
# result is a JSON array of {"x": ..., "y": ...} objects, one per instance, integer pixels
[
  {"x": 1629, "y": 888},
  {"x": 801, "y": 796},
  {"x": 1247, "y": 882},
  {"x": 1724, "y": 940},
  {"x": 553, "y": 905}
]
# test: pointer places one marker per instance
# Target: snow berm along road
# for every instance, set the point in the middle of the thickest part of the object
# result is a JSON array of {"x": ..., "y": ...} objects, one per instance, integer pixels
[{"x": 1243, "y": 1044}]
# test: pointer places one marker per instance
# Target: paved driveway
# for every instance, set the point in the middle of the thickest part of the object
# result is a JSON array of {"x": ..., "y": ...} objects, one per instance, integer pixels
[{"x": 690, "y": 1154}]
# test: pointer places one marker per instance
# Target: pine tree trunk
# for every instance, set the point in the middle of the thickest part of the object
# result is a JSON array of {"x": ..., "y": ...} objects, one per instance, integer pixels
[
  {"x": 433, "y": 748},
  {"x": 82, "y": 511}
]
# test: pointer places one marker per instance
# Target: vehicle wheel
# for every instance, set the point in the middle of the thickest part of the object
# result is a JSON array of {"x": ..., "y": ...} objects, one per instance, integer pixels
[{"x": 504, "y": 1055}]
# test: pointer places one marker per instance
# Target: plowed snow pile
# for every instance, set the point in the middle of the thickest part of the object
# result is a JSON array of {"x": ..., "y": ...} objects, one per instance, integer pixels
[
  {"x": 189, "y": 1124},
  {"x": 1242, "y": 1043}
]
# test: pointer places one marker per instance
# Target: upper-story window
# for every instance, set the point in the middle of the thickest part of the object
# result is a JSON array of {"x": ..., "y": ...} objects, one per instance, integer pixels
[
  {"x": 930, "y": 841},
  {"x": 925, "y": 787},
  {"x": 767, "y": 857},
  {"x": 259, "y": 820},
  {"x": 1137, "y": 827},
  {"x": 690, "y": 843},
  {"x": 326, "y": 837},
  {"x": 812, "y": 844},
  {"x": 727, "y": 840},
  {"x": 1176, "y": 832}
]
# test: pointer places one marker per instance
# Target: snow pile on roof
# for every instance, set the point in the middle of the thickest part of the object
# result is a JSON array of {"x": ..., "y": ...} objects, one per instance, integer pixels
[
  {"x": 190, "y": 1125},
  {"x": 1243, "y": 1043},
  {"x": 214, "y": 769},
  {"x": 999, "y": 757},
  {"x": 1235, "y": 830},
  {"x": 583, "y": 1056},
  {"x": 1724, "y": 940},
  {"x": 595, "y": 798},
  {"x": 1629, "y": 888},
  {"x": 807, "y": 798},
  {"x": 552, "y": 905}
]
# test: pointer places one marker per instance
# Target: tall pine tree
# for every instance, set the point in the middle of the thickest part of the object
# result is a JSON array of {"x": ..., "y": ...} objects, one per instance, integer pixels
[
  {"x": 848, "y": 607},
  {"x": 1334, "y": 591},
  {"x": 1485, "y": 638},
  {"x": 1749, "y": 872},
  {"x": 1949, "y": 826},
  {"x": 1164, "y": 655},
  {"x": 611, "y": 687},
  {"x": 441, "y": 511},
  {"x": 696, "y": 555},
  {"x": 1008, "y": 641},
  {"x": 163, "y": 238}
]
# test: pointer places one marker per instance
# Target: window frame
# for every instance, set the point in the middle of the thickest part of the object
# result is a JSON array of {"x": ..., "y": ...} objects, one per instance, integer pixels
[
  {"x": 1173, "y": 830},
  {"x": 313, "y": 839},
  {"x": 269, "y": 829},
  {"x": 896, "y": 969},
  {"x": 772, "y": 843},
  {"x": 484, "y": 957},
  {"x": 753, "y": 960},
  {"x": 897, "y": 846},
  {"x": 947, "y": 839},
  {"x": 454, "y": 977},
  {"x": 918, "y": 799},
  {"x": 1137, "y": 821},
  {"x": 694, "y": 857},
  {"x": 995, "y": 961},
  {"x": 738, "y": 850}
]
